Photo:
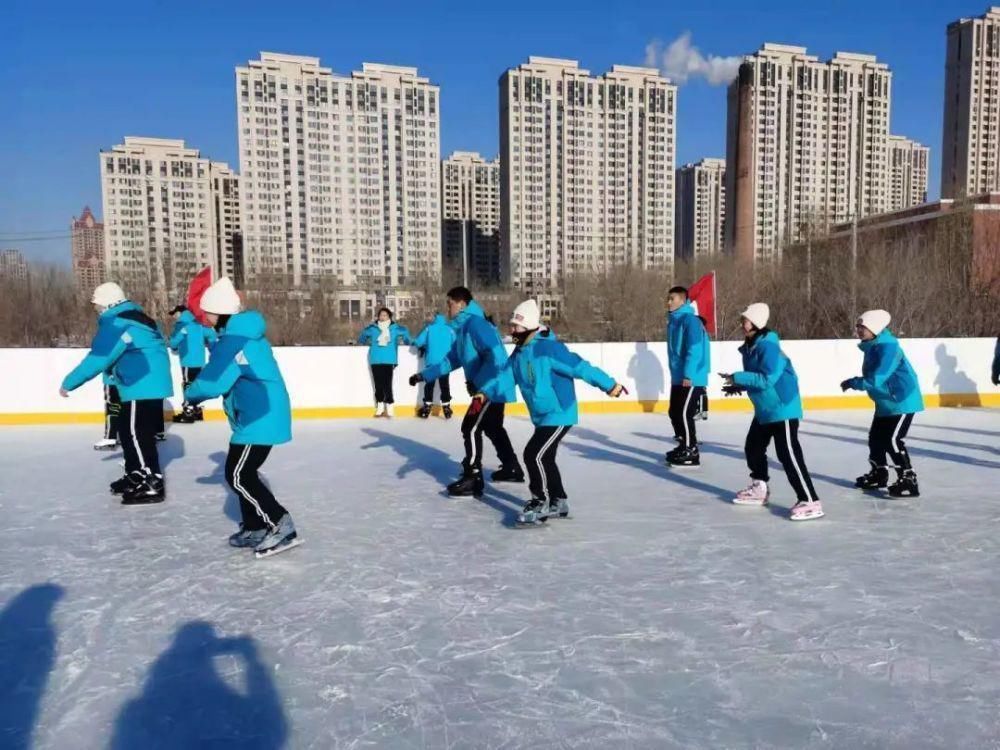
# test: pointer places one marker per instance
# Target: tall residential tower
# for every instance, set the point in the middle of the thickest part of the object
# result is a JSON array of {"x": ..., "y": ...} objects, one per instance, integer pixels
[
  {"x": 701, "y": 208},
  {"x": 470, "y": 231}
]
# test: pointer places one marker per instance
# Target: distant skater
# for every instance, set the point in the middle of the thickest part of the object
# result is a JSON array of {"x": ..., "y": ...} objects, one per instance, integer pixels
[
  {"x": 435, "y": 342},
  {"x": 189, "y": 341},
  {"x": 689, "y": 355},
  {"x": 383, "y": 338}
]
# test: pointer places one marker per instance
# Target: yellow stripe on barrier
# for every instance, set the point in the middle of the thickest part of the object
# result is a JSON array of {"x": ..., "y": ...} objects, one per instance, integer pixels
[{"x": 609, "y": 406}]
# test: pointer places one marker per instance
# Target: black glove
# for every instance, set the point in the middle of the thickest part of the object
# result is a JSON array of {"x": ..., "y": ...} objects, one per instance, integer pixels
[
  {"x": 418, "y": 378},
  {"x": 732, "y": 390},
  {"x": 845, "y": 385},
  {"x": 471, "y": 387}
]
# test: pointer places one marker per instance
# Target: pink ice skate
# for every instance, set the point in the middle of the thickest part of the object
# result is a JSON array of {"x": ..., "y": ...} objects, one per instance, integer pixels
[
  {"x": 756, "y": 494},
  {"x": 806, "y": 511}
]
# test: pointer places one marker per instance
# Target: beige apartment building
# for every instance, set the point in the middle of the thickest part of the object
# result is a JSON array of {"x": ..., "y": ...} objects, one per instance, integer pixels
[
  {"x": 87, "y": 245},
  {"x": 701, "y": 208},
  {"x": 159, "y": 212},
  {"x": 227, "y": 229},
  {"x": 805, "y": 146},
  {"x": 13, "y": 265},
  {"x": 970, "y": 151},
  {"x": 470, "y": 227},
  {"x": 908, "y": 165},
  {"x": 340, "y": 175},
  {"x": 586, "y": 170}
]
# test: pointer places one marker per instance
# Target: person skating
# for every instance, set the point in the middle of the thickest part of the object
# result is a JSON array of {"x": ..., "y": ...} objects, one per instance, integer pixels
[
  {"x": 243, "y": 371},
  {"x": 770, "y": 381},
  {"x": 112, "y": 411},
  {"x": 891, "y": 382},
  {"x": 189, "y": 340},
  {"x": 435, "y": 342},
  {"x": 689, "y": 356},
  {"x": 545, "y": 370},
  {"x": 128, "y": 345},
  {"x": 479, "y": 351},
  {"x": 383, "y": 338}
]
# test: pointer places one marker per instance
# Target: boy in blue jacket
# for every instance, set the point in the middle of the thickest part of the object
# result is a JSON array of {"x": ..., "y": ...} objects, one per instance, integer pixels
[
  {"x": 189, "y": 340},
  {"x": 770, "y": 381},
  {"x": 479, "y": 351},
  {"x": 383, "y": 338},
  {"x": 242, "y": 369},
  {"x": 544, "y": 369},
  {"x": 129, "y": 349},
  {"x": 689, "y": 357},
  {"x": 434, "y": 343},
  {"x": 890, "y": 381}
]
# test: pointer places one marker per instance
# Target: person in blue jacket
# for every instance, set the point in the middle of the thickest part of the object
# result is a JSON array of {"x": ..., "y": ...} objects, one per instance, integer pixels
[
  {"x": 545, "y": 370},
  {"x": 129, "y": 348},
  {"x": 188, "y": 341},
  {"x": 769, "y": 379},
  {"x": 479, "y": 351},
  {"x": 383, "y": 338},
  {"x": 434, "y": 343},
  {"x": 243, "y": 371},
  {"x": 891, "y": 382},
  {"x": 689, "y": 357}
]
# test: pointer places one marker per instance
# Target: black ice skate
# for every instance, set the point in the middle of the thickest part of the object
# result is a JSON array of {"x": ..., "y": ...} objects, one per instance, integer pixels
[
  {"x": 876, "y": 479},
  {"x": 446, "y": 410},
  {"x": 471, "y": 483},
  {"x": 672, "y": 454},
  {"x": 185, "y": 417},
  {"x": 906, "y": 485},
  {"x": 535, "y": 513},
  {"x": 150, "y": 490},
  {"x": 684, "y": 458},
  {"x": 424, "y": 411},
  {"x": 127, "y": 482},
  {"x": 508, "y": 474},
  {"x": 199, "y": 414}
]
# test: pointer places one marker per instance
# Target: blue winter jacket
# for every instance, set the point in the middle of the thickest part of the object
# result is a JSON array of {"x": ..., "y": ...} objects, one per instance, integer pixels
[
  {"x": 436, "y": 340},
  {"x": 769, "y": 379},
  {"x": 128, "y": 348},
  {"x": 242, "y": 369},
  {"x": 190, "y": 338},
  {"x": 479, "y": 350},
  {"x": 544, "y": 369},
  {"x": 888, "y": 377},
  {"x": 388, "y": 354},
  {"x": 687, "y": 347}
]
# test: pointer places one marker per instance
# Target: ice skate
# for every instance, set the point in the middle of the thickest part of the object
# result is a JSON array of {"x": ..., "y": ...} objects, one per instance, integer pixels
[
  {"x": 149, "y": 490},
  {"x": 806, "y": 510},
  {"x": 184, "y": 417},
  {"x": 107, "y": 444},
  {"x": 281, "y": 539},
  {"x": 559, "y": 508},
  {"x": 161, "y": 437},
  {"x": 685, "y": 458},
  {"x": 876, "y": 479},
  {"x": 471, "y": 483},
  {"x": 508, "y": 474},
  {"x": 379, "y": 410},
  {"x": 534, "y": 513},
  {"x": 673, "y": 453},
  {"x": 446, "y": 411},
  {"x": 424, "y": 411},
  {"x": 199, "y": 414},
  {"x": 757, "y": 493},
  {"x": 906, "y": 485},
  {"x": 388, "y": 411},
  {"x": 247, "y": 537},
  {"x": 127, "y": 482}
]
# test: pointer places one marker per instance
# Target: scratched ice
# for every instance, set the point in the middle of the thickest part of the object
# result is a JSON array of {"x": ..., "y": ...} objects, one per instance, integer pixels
[{"x": 659, "y": 616}]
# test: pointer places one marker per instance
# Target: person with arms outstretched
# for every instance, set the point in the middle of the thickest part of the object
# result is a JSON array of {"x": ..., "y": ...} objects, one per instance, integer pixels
[{"x": 383, "y": 338}]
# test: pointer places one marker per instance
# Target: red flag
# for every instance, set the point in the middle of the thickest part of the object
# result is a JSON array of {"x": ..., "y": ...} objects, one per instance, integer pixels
[
  {"x": 197, "y": 287},
  {"x": 702, "y": 296}
]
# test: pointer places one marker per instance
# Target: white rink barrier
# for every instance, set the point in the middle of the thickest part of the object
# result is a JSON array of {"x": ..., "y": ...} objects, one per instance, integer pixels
[{"x": 334, "y": 381}]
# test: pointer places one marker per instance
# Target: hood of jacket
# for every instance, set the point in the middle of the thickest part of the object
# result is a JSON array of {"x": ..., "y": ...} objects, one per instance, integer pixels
[
  {"x": 249, "y": 324},
  {"x": 439, "y": 319},
  {"x": 116, "y": 310},
  {"x": 472, "y": 310},
  {"x": 686, "y": 309},
  {"x": 186, "y": 316},
  {"x": 763, "y": 334},
  {"x": 884, "y": 336}
]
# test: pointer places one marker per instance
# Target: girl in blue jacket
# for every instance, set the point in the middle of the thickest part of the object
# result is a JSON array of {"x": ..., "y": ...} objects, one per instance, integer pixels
[
  {"x": 891, "y": 383},
  {"x": 544, "y": 369},
  {"x": 242, "y": 369},
  {"x": 435, "y": 342},
  {"x": 383, "y": 338},
  {"x": 189, "y": 340},
  {"x": 770, "y": 381}
]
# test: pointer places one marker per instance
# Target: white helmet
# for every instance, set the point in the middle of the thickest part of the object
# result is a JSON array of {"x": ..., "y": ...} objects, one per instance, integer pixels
[
  {"x": 108, "y": 294},
  {"x": 221, "y": 298}
]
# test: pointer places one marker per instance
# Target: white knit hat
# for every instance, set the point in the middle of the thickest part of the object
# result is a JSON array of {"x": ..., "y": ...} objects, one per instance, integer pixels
[
  {"x": 108, "y": 294},
  {"x": 527, "y": 315},
  {"x": 757, "y": 313},
  {"x": 221, "y": 298},
  {"x": 875, "y": 321}
]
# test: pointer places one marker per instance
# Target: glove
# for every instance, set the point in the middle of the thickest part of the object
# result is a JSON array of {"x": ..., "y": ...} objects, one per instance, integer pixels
[
  {"x": 478, "y": 402},
  {"x": 617, "y": 390},
  {"x": 471, "y": 387},
  {"x": 732, "y": 390},
  {"x": 418, "y": 378},
  {"x": 845, "y": 385}
]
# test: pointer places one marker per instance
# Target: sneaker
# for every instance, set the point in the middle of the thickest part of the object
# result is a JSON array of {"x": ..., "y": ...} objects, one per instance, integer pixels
[
  {"x": 508, "y": 474},
  {"x": 127, "y": 482},
  {"x": 281, "y": 538},
  {"x": 906, "y": 485},
  {"x": 757, "y": 493},
  {"x": 534, "y": 512},
  {"x": 446, "y": 410},
  {"x": 149, "y": 490},
  {"x": 105, "y": 445},
  {"x": 380, "y": 410},
  {"x": 806, "y": 510},
  {"x": 471, "y": 483},
  {"x": 247, "y": 537},
  {"x": 688, "y": 458},
  {"x": 876, "y": 479},
  {"x": 424, "y": 411}
]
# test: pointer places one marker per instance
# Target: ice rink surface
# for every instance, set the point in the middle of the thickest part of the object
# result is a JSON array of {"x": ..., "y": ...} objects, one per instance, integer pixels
[{"x": 659, "y": 616}]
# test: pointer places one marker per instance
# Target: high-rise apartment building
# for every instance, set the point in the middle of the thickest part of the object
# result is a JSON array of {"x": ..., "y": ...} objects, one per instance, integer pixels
[
  {"x": 87, "y": 238},
  {"x": 908, "y": 164},
  {"x": 586, "y": 170},
  {"x": 13, "y": 265},
  {"x": 805, "y": 146},
  {"x": 159, "y": 212},
  {"x": 227, "y": 228},
  {"x": 470, "y": 226},
  {"x": 970, "y": 152},
  {"x": 339, "y": 175},
  {"x": 701, "y": 208}
]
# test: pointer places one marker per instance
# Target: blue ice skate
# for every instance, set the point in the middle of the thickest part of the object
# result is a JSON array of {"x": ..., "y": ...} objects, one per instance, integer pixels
[
  {"x": 247, "y": 537},
  {"x": 280, "y": 539},
  {"x": 535, "y": 513}
]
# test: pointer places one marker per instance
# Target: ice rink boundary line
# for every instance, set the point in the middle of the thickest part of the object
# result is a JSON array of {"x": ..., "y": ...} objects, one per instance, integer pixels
[{"x": 819, "y": 403}]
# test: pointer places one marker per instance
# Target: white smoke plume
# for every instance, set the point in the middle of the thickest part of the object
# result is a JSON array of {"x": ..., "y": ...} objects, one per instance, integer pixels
[{"x": 681, "y": 61}]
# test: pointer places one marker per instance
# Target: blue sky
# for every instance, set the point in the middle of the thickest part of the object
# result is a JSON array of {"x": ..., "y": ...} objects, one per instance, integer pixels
[{"x": 84, "y": 75}]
